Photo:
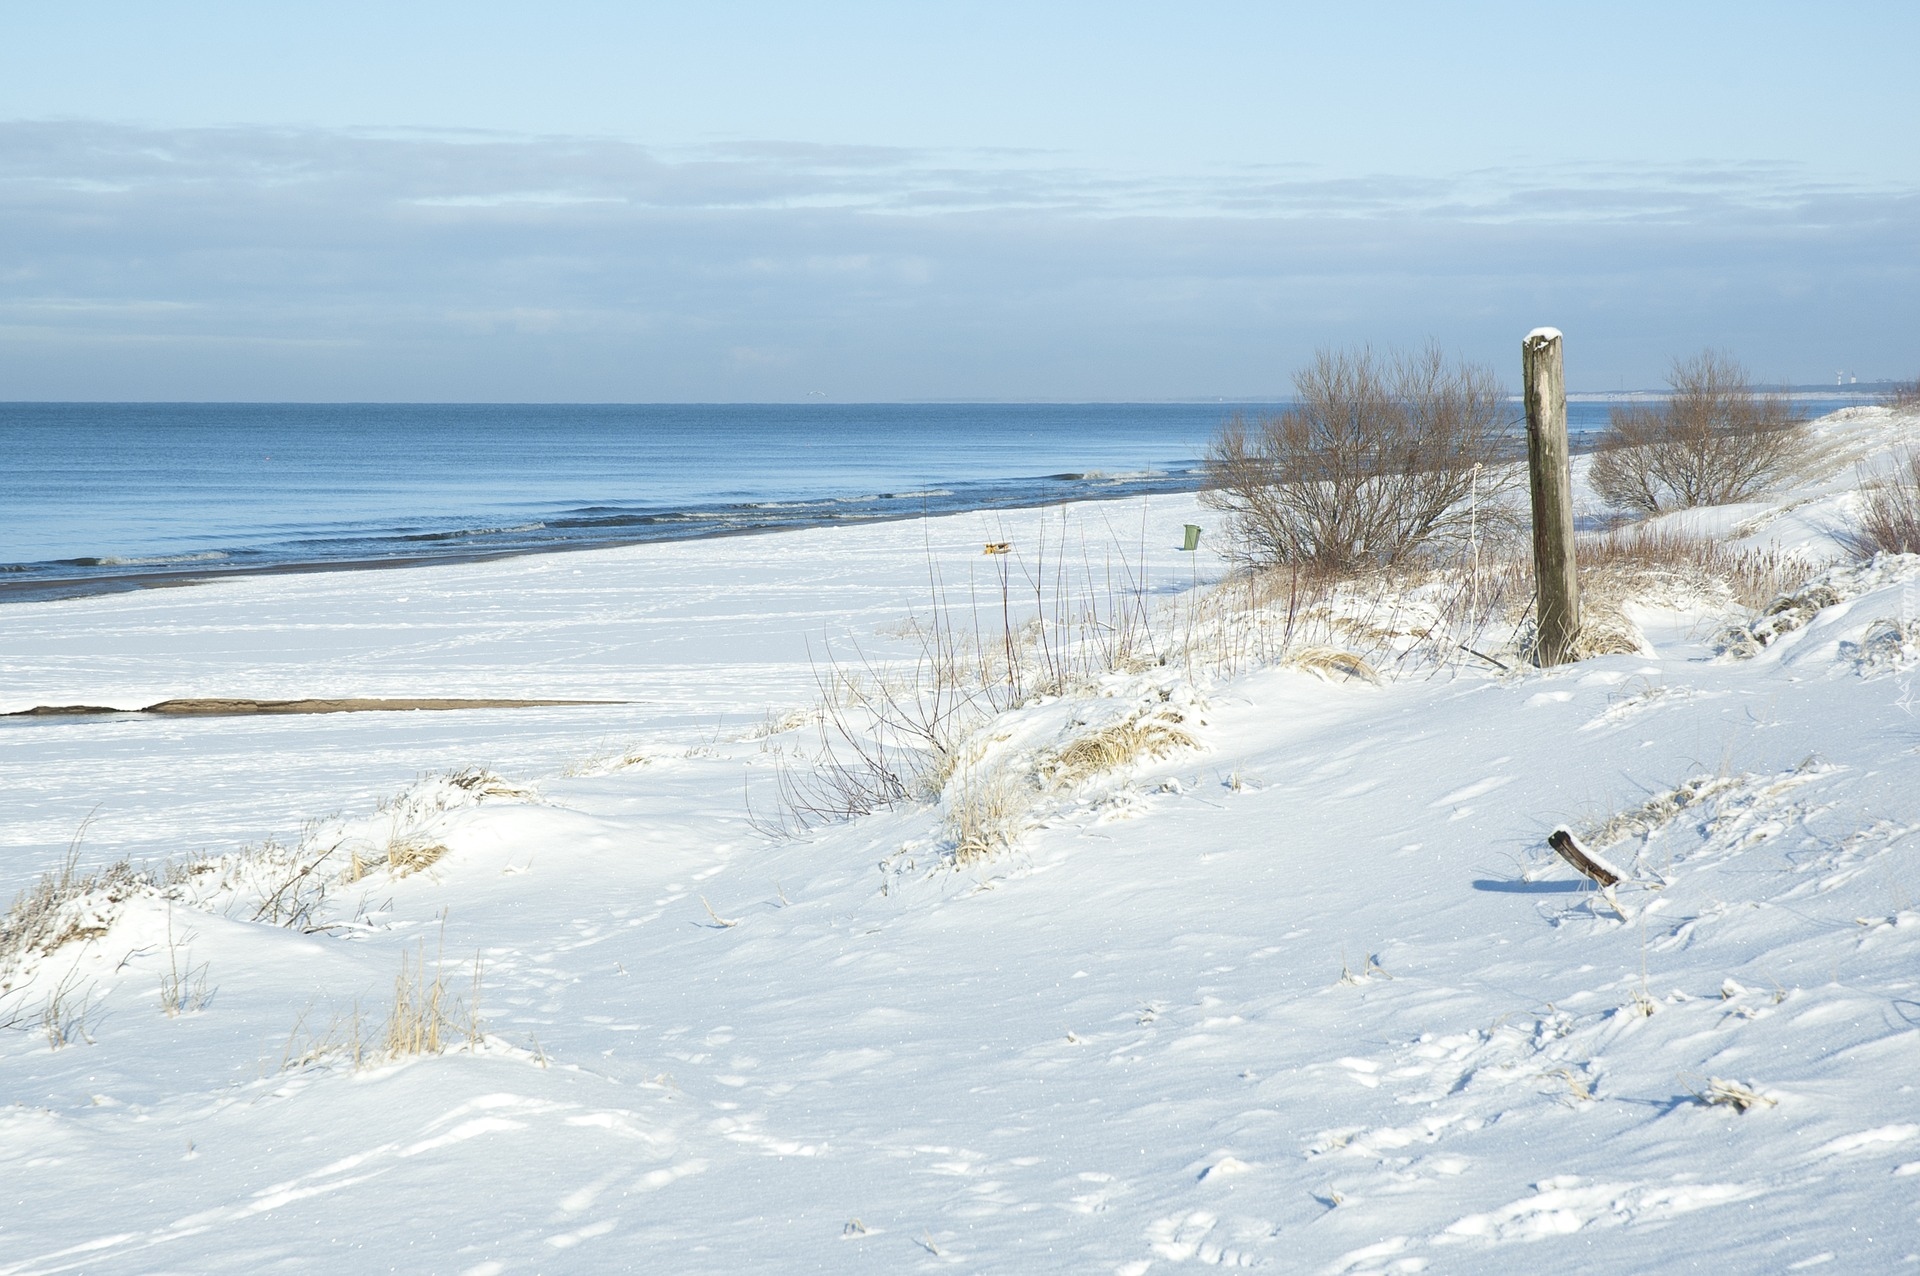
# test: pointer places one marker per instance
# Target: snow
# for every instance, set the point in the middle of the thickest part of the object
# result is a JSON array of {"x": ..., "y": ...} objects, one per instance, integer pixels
[
  {"x": 1542, "y": 334},
  {"x": 1310, "y": 996}
]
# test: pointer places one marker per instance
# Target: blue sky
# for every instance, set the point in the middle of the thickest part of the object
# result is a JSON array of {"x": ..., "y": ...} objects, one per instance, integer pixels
[{"x": 908, "y": 201}]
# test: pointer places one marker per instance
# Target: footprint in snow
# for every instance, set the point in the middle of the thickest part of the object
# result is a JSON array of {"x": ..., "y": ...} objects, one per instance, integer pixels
[{"x": 1190, "y": 1238}]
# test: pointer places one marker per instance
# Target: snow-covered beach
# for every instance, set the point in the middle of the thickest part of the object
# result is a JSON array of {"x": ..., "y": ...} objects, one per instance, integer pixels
[{"x": 1304, "y": 990}]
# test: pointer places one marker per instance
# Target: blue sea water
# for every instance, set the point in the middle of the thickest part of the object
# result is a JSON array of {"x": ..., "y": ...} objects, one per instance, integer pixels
[
  {"x": 97, "y": 497},
  {"x": 108, "y": 496}
]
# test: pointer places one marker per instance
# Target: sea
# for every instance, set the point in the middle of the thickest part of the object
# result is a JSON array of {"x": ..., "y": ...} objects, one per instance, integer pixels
[{"x": 100, "y": 497}]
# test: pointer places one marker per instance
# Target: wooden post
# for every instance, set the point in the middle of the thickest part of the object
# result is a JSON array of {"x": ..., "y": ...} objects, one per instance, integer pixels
[{"x": 1550, "y": 476}]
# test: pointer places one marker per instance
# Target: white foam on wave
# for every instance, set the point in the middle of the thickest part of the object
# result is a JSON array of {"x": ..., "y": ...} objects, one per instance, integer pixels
[{"x": 160, "y": 560}]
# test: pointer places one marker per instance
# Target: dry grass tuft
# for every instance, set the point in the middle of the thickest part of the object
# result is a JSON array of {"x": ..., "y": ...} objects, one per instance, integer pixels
[
  {"x": 1653, "y": 568},
  {"x": 410, "y": 845},
  {"x": 1364, "y": 626},
  {"x": 410, "y": 856},
  {"x": 482, "y": 783},
  {"x": 1657, "y": 811},
  {"x": 990, "y": 796},
  {"x": 1721, "y": 1093},
  {"x": 183, "y": 985},
  {"x": 1578, "y": 1091},
  {"x": 1331, "y": 661},
  {"x": 776, "y": 724},
  {"x": 65, "y": 1013},
  {"x": 1115, "y": 746},
  {"x": 606, "y": 762},
  {"x": 53, "y": 911},
  {"x": 1607, "y": 630},
  {"x": 1785, "y": 614},
  {"x": 427, "y": 1016},
  {"x": 986, "y": 810},
  {"x": 1656, "y": 565}
]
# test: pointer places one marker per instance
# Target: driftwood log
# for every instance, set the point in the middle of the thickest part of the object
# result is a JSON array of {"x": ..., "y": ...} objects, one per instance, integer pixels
[{"x": 1563, "y": 841}]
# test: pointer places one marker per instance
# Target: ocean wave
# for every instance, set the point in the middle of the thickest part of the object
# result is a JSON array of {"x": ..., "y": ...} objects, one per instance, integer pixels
[
  {"x": 1121, "y": 476},
  {"x": 892, "y": 496},
  {"x": 466, "y": 532},
  {"x": 148, "y": 560}
]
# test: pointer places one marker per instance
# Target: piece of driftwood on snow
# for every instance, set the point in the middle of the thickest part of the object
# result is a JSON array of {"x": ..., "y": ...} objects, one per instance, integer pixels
[{"x": 1591, "y": 865}]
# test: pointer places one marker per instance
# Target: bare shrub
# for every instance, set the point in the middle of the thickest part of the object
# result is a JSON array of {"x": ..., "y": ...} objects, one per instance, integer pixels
[
  {"x": 1377, "y": 458},
  {"x": 1904, "y": 396},
  {"x": 1890, "y": 511},
  {"x": 1714, "y": 441}
]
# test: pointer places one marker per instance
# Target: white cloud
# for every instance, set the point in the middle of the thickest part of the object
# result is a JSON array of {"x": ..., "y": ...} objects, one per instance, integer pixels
[{"x": 160, "y": 263}]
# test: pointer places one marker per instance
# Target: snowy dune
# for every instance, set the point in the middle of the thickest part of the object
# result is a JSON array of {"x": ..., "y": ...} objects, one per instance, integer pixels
[{"x": 1310, "y": 996}]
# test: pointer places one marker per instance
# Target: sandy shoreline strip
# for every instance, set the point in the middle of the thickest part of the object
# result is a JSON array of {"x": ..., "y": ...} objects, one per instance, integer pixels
[{"x": 222, "y": 708}]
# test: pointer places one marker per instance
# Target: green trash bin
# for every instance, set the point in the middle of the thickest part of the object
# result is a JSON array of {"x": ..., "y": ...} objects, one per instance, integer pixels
[{"x": 1193, "y": 538}]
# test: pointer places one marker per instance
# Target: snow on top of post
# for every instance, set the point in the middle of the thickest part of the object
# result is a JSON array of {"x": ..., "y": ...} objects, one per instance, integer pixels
[{"x": 1544, "y": 334}]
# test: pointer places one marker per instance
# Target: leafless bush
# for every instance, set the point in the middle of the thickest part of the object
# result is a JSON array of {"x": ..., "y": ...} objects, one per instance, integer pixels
[
  {"x": 1716, "y": 440},
  {"x": 1904, "y": 396},
  {"x": 1376, "y": 459},
  {"x": 1890, "y": 511}
]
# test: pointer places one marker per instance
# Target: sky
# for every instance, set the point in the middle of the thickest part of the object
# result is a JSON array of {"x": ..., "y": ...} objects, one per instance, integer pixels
[{"x": 1118, "y": 201}]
